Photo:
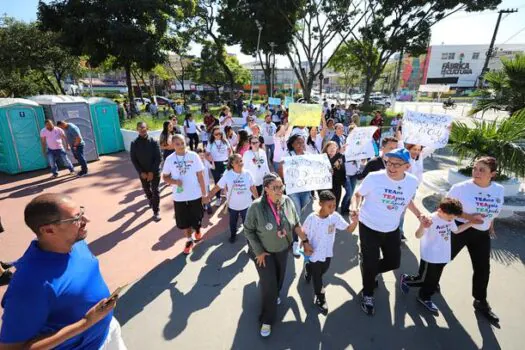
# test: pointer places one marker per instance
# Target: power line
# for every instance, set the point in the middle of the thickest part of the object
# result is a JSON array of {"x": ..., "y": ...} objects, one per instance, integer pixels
[{"x": 514, "y": 35}]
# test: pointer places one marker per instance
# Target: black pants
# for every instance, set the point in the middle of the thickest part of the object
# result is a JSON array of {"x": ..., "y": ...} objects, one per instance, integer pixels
[
  {"x": 217, "y": 174},
  {"x": 427, "y": 278},
  {"x": 151, "y": 189},
  {"x": 337, "y": 189},
  {"x": 478, "y": 245},
  {"x": 194, "y": 141},
  {"x": 317, "y": 270},
  {"x": 370, "y": 243},
  {"x": 271, "y": 278}
]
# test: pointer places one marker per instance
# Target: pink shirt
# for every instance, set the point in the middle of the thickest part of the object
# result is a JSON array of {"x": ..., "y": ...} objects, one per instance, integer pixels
[{"x": 53, "y": 137}]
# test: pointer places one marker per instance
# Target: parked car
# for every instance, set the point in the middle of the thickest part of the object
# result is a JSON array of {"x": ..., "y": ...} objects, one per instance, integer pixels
[
  {"x": 380, "y": 101},
  {"x": 164, "y": 101}
]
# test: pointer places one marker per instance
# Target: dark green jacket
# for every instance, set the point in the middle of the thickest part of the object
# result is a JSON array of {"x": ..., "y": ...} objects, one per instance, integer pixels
[{"x": 260, "y": 227}]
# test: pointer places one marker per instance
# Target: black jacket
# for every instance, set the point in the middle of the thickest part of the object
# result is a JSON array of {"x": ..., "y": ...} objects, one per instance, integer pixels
[
  {"x": 145, "y": 155},
  {"x": 374, "y": 164}
]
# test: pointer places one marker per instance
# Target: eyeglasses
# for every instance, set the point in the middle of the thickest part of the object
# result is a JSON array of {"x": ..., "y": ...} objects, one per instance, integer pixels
[
  {"x": 255, "y": 142},
  {"x": 394, "y": 165},
  {"x": 278, "y": 188},
  {"x": 216, "y": 134},
  {"x": 75, "y": 219}
]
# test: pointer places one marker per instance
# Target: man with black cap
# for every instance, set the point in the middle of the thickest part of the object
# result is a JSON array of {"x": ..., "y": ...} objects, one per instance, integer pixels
[{"x": 381, "y": 199}]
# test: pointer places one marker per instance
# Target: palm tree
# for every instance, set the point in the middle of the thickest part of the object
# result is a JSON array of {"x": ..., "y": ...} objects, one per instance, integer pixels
[
  {"x": 504, "y": 140},
  {"x": 506, "y": 87}
]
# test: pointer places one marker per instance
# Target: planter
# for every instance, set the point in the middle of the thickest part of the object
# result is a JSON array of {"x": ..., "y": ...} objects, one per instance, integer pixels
[
  {"x": 129, "y": 135},
  {"x": 512, "y": 186}
]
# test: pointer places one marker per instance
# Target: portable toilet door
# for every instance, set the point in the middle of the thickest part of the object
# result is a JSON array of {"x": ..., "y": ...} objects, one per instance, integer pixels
[
  {"x": 20, "y": 136},
  {"x": 106, "y": 125}
]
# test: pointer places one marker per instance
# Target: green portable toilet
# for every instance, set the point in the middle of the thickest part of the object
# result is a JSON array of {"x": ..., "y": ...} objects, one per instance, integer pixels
[
  {"x": 106, "y": 125},
  {"x": 20, "y": 124}
]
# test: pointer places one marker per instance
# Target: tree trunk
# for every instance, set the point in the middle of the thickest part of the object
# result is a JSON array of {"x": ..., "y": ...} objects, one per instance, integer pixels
[
  {"x": 182, "y": 83},
  {"x": 127, "y": 68},
  {"x": 58, "y": 78}
]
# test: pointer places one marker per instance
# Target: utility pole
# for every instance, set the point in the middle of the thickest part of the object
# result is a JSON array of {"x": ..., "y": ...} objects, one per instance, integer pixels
[
  {"x": 272, "y": 44},
  {"x": 491, "y": 46},
  {"x": 321, "y": 76},
  {"x": 259, "y": 28}
]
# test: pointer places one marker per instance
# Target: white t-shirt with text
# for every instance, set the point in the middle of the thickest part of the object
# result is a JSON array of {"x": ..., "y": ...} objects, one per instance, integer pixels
[
  {"x": 184, "y": 168},
  {"x": 321, "y": 234},
  {"x": 218, "y": 150},
  {"x": 435, "y": 244},
  {"x": 239, "y": 194},
  {"x": 257, "y": 164},
  {"x": 267, "y": 132}
]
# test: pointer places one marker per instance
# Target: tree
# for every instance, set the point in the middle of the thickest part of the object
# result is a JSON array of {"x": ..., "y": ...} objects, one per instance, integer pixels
[
  {"x": 238, "y": 23},
  {"x": 129, "y": 30},
  {"x": 506, "y": 87},
  {"x": 391, "y": 26},
  {"x": 343, "y": 62},
  {"x": 181, "y": 65}
]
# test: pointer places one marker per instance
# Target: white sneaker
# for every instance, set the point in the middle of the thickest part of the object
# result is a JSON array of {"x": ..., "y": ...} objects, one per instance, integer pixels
[
  {"x": 266, "y": 330},
  {"x": 218, "y": 202},
  {"x": 295, "y": 250}
]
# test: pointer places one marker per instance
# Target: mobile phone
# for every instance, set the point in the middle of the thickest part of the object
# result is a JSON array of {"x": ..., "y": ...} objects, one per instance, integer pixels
[{"x": 114, "y": 295}]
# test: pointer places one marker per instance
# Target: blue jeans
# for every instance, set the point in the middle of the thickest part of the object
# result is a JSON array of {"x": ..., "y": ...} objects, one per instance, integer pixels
[
  {"x": 270, "y": 149},
  {"x": 300, "y": 201},
  {"x": 55, "y": 155},
  {"x": 401, "y": 224},
  {"x": 79, "y": 156},
  {"x": 350, "y": 183},
  {"x": 234, "y": 217}
]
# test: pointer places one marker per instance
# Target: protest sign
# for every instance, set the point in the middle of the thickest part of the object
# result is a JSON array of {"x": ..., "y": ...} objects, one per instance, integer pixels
[
  {"x": 307, "y": 173},
  {"x": 273, "y": 101},
  {"x": 301, "y": 114},
  {"x": 287, "y": 101},
  {"x": 359, "y": 143},
  {"x": 429, "y": 130}
]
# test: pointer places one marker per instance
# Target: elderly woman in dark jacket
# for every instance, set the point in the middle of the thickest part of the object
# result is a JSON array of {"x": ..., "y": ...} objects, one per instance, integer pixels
[{"x": 268, "y": 227}]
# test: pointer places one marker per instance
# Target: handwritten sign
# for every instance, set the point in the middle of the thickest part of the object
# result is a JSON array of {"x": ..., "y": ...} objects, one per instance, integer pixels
[
  {"x": 273, "y": 101},
  {"x": 429, "y": 130},
  {"x": 307, "y": 173},
  {"x": 359, "y": 143},
  {"x": 287, "y": 101},
  {"x": 301, "y": 114}
]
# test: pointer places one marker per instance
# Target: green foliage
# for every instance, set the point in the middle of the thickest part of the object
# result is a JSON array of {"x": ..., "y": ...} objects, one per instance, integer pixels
[
  {"x": 500, "y": 139},
  {"x": 346, "y": 63},
  {"x": 506, "y": 87}
]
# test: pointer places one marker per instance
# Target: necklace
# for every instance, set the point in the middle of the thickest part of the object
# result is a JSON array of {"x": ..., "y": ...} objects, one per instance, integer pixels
[
  {"x": 181, "y": 164},
  {"x": 257, "y": 159}
]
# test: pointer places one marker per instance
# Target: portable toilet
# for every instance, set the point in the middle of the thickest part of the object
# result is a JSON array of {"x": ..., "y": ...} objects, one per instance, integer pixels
[
  {"x": 71, "y": 109},
  {"x": 106, "y": 125},
  {"x": 20, "y": 124}
]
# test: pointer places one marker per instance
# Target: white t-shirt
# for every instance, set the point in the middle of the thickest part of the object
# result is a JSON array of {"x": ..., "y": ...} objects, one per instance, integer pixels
[
  {"x": 318, "y": 145},
  {"x": 218, "y": 150},
  {"x": 276, "y": 118},
  {"x": 385, "y": 200},
  {"x": 321, "y": 234},
  {"x": 184, "y": 168},
  {"x": 267, "y": 132},
  {"x": 256, "y": 164},
  {"x": 191, "y": 127},
  {"x": 298, "y": 131},
  {"x": 280, "y": 148},
  {"x": 435, "y": 243},
  {"x": 233, "y": 140},
  {"x": 207, "y": 167},
  {"x": 239, "y": 194},
  {"x": 204, "y": 135},
  {"x": 486, "y": 201},
  {"x": 228, "y": 122}
]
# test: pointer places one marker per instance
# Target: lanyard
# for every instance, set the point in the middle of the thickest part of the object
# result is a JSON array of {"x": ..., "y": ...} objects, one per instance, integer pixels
[{"x": 275, "y": 213}]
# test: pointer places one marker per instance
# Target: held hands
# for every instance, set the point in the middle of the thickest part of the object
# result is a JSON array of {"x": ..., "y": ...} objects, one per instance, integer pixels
[
  {"x": 99, "y": 311},
  {"x": 425, "y": 221},
  {"x": 176, "y": 182},
  {"x": 308, "y": 250},
  {"x": 143, "y": 176},
  {"x": 149, "y": 177},
  {"x": 477, "y": 219},
  {"x": 205, "y": 199},
  {"x": 260, "y": 259},
  {"x": 354, "y": 215}
]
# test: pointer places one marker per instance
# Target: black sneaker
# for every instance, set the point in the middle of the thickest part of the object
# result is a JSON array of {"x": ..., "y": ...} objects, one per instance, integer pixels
[
  {"x": 80, "y": 174},
  {"x": 5, "y": 278},
  {"x": 320, "y": 302},
  {"x": 209, "y": 210},
  {"x": 156, "y": 217},
  {"x": 54, "y": 176},
  {"x": 486, "y": 310},
  {"x": 429, "y": 305},
  {"x": 367, "y": 305},
  {"x": 307, "y": 276}
]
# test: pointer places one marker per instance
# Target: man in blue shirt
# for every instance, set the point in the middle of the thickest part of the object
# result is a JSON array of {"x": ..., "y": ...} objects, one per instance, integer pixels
[
  {"x": 76, "y": 142},
  {"x": 57, "y": 298}
]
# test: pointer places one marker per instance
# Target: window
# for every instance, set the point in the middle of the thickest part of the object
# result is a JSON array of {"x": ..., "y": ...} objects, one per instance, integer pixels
[
  {"x": 451, "y": 55},
  {"x": 444, "y": 56},
  {"x": 475, "y": 55},
  {"x": 448, "y": 55}
]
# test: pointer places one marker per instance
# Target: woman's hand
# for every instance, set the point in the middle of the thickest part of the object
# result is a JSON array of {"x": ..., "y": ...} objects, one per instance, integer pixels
[
  {"x": 261, "y": 259},
  {"x": 308, "y": 250}
]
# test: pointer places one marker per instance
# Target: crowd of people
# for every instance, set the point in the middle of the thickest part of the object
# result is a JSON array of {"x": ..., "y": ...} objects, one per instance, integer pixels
[{"x": 246, "y": 165}]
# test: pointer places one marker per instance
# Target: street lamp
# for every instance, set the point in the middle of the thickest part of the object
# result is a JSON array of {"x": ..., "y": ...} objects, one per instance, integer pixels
[
  {"x": 272, "y": 82},
  {"x": 259, "y": 27}
]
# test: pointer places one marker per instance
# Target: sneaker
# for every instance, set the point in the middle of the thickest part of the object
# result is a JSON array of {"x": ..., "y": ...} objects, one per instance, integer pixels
[
  {"x": 403, "y": 285},
  {"x": 266, "y": 330},
  {"x": 218, "y": 202},
  {"x": 429, "y": 305},
  {"x": 367, "y": 305},
  {"x": 209, "y": 209},
  {"x": 188, "y": 247},
  {"x": 72, "y": 172},
  {"x": 296, "y": 253},
  {"x": 198, "y": 236},
  {"x": 486, "y": 310},
  {"x": 156, "y": 217},
  {"x": 320, "y": 302},
  {"x": 278, "y": 300},
  {"x": 307, "y": 276},
  {"x": 5, "y": 278},
  {"x": 233, "y": 238},
  {"x": 54, "y": 176}
]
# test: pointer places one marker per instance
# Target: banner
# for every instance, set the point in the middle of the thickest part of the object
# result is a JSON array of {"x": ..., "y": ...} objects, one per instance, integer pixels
[
  {"x": 301, "y": 114},
  {"x": 307, "y": 173},
  {"x": 429, "y": 130},
  {"x": 287, "y": 101},
  {"x": 273, "y": 101},
  {"x": 359, "y": 143}
]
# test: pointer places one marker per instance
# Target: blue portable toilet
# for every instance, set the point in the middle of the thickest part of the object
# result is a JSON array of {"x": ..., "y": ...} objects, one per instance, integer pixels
[
  {"x": 106, "y": 125},
  {"x": 71, "y": 109},
  {"x": 20, "y": 124}
]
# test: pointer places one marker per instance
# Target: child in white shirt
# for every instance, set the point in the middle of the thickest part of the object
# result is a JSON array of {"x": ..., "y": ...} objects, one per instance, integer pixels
[
  {"x": 435, "y": 251},
  {"x": 320, "y": 228},
  {"x": 204, "y": 136},
  {"x": 207, "y": 166}
]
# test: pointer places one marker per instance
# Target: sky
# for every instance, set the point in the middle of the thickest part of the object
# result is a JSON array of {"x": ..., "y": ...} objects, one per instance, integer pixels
[{"x": 460, "y": 28}]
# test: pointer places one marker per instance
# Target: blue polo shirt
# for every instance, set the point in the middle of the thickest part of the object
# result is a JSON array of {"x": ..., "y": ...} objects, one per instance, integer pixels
[
  {"x": 72, "y": 132},
  {"x": 50, "y": 291}
]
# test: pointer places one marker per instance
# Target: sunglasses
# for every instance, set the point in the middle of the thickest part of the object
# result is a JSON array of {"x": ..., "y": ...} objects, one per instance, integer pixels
[{"x": 255, "y": 142}]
